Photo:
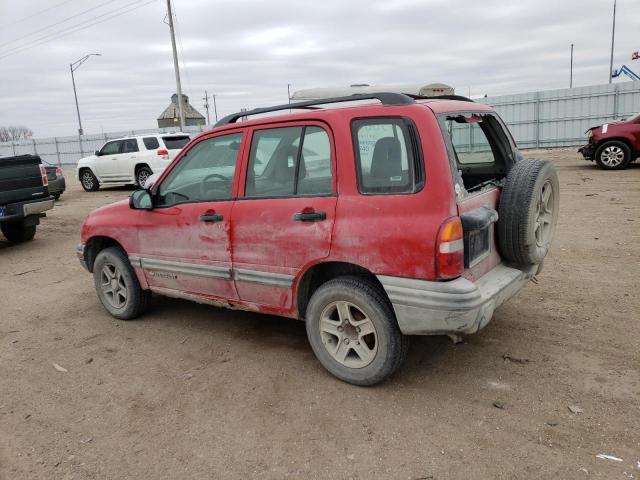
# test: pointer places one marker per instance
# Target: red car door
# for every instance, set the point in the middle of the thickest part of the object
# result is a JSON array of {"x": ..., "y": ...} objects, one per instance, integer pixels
[
  {"x": 283, "y": 218},
  {"x": 184, "y": 240}
]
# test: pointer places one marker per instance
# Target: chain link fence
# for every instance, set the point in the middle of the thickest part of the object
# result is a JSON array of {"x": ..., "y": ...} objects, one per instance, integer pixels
[{"x": 551, "y": 118}]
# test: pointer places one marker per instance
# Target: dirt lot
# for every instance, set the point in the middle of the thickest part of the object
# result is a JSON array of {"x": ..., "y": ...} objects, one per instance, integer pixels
[{"x": 191, "y": 391}]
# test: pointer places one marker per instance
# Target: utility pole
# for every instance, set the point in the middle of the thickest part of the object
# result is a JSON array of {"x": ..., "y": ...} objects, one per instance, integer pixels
[
  {"x": 613, "y": 37},
  {"x": 175, "y": 65},
  {"x": 73, "y": 67},
  {"x": 289, "y": 93},
  {"x": 215, "y": 109},
  {"x": 571, "y": 69},
  {"x": 206, "y": 106}
]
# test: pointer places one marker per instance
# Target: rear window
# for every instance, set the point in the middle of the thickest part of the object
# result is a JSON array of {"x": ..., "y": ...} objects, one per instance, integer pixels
[
  {"x": 175, "y": 142},
  {"x": 388, "y": 158},
  {"x": 151, "y": 143}
]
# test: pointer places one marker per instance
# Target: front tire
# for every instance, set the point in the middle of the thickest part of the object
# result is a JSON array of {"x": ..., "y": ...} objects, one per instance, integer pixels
[
  {"x": 613, "y": 155},
  {"x": 353, "y": 331},
  {"x": 89, "y": 181},
  {"x": 117, "y": 285},
  {"x": 18, "y": 232}
]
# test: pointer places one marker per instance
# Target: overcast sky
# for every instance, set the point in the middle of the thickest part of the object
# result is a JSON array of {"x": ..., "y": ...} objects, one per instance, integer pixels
[{"x": 246, "y": 51}]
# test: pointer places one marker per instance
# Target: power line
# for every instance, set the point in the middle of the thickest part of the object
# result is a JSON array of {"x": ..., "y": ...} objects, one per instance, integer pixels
[
  {"x": 81, "y": 26},
  {"x": 13, "y": 22},
  {"x": 57, "y": 23}
]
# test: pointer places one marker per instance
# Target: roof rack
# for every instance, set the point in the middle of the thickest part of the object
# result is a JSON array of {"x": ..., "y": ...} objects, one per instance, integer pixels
[
  {"x": 440, "y": 97},
  {"x": 386, "y": 98}
]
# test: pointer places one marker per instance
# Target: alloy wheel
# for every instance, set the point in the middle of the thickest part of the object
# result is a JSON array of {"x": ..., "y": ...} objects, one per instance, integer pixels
[
  {"x": 114, "y": 288},
  {"x": 612, "y": 156},
  {"x": 87, "y": 180},
  {"x": 348, "y": 334},
  {"x": 544, "y": 215}
]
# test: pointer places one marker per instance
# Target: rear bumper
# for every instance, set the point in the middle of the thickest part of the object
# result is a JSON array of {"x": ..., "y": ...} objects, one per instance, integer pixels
[
  {"x": 457, "y": 306},
  {"x": 57, "y": 186},
  {"x": 20, "y": 210},
  {"x": 588, "y": 151}
]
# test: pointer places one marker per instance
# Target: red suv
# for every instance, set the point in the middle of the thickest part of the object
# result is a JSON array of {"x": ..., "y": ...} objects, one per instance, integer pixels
[
  {"x": 613, "y": 145},
  {"x": 372, "y": 222}
]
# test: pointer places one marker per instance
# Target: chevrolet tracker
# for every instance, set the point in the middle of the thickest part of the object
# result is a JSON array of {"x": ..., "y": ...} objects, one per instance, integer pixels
[{"x": 371, "y": 222}]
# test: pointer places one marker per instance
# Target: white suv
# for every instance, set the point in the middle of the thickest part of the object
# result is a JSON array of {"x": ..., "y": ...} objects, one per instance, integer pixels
[{"x": 129, "y": 159}]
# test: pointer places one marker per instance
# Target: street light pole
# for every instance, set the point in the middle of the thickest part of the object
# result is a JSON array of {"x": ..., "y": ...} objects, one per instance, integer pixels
[
  {"x": 215, "y": 109},
  {"x": 613, "y": 37},
  {"x": 73, "y": 67},
  {"x": 571, "y": 69}
]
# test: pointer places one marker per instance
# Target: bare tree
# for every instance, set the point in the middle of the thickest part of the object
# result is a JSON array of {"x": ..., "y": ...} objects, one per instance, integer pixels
[{"x": 15, "y": 132}]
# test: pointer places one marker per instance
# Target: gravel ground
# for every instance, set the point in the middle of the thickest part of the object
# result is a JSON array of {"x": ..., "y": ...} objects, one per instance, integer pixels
[{"x": 191, "y": 391}]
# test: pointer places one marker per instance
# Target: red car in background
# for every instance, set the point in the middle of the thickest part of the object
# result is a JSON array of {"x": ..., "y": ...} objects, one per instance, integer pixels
[{"x": 613, "y": 145}]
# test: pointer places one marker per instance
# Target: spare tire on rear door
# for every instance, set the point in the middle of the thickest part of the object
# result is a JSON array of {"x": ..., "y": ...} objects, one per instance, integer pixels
[{"x": 528, "y": 211}]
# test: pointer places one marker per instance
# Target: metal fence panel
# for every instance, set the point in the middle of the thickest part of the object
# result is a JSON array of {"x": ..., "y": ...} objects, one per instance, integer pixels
[{"x": 551, "y": 118}]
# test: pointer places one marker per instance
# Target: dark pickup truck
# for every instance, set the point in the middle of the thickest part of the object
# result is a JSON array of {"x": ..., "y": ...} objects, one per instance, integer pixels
[{"x": 24, "y": 196}]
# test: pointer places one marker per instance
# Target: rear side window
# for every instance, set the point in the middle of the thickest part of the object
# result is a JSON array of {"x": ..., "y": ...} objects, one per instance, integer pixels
[
  {"x": 175, "y": 142},
  {"x": 388, "y": 158},
  {"x": 129, "y": 146},
  {"x": 151, "y": 143},
  {"x": 289, "y": 161}
]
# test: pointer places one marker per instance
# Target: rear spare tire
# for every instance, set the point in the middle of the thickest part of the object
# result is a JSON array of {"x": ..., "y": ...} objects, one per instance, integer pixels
[{"x": 528, "y": 212}]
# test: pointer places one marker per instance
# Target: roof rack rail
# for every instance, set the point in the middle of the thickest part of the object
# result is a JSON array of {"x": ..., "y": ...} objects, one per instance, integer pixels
[
  {"x": 386, "y": 98},
  {"x": 440, "y": 97}
]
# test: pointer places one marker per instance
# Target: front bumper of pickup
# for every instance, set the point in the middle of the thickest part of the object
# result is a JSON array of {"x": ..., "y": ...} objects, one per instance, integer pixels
[
  {"x": 588, "y": 151},
  {"x": 457, "y": 306},
  {"x": 21, "y": 210}
]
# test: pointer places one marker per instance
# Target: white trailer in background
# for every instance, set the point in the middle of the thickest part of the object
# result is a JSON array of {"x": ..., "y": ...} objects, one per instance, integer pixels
[{"x": 430, "y": 90}]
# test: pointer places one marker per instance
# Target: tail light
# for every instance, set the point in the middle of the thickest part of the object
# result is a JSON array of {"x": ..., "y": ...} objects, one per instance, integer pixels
[
  {"x": 43, "y": 174},
  {"x": 59, "y": 172},
  {"x": 450, "y": 249},
  {"x": 163, "y": 153}
]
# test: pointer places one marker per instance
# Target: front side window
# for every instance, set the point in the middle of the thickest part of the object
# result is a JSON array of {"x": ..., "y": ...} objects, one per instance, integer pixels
[
  {"x": 289, "y": 161},
  {"x": 205, "y": 172},
  {"x": 111, "y": 148},
  {"x": 151, "y": 143},
  {"x": 386, "y": 156}
]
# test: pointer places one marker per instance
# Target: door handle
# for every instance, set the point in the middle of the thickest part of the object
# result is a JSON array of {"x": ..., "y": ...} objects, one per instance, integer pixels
[
  {"x": 211, "y": 217},
  {"x": 310, "y": 216}
]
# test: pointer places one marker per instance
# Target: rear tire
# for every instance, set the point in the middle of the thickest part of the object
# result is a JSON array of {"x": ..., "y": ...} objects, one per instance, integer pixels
[
  {"x": 117, "y": 285},
  {"x": 18, "y": 232},
  {"x": 89, "y": 181},
  {"x": 142, "y": 174},
  {"x": 353, "y": 331},
  {"x": 528, "y": 212},
  {"x": 613, "y": 155}
]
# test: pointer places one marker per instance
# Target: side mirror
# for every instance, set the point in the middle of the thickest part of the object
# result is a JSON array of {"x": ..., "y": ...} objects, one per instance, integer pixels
[
  {"x": 140, "y": 200},
  {"x": 97, "y": 153},
  {"x": 151, "y": 181}
]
